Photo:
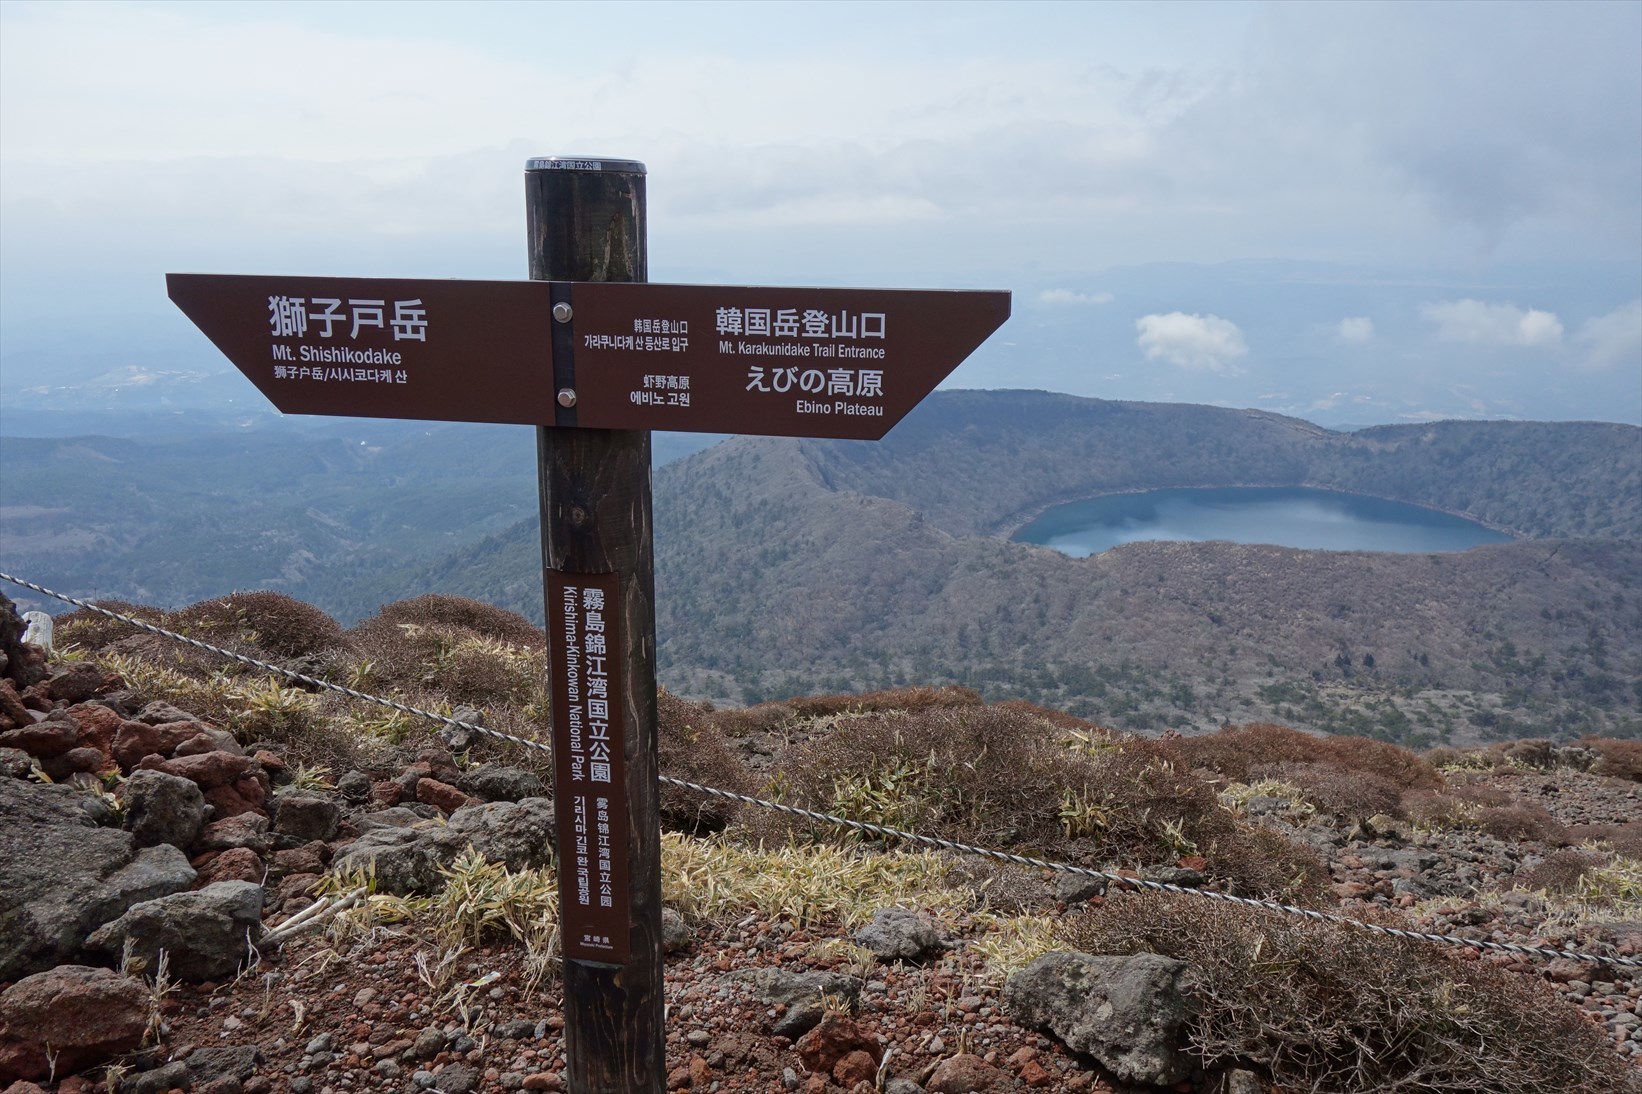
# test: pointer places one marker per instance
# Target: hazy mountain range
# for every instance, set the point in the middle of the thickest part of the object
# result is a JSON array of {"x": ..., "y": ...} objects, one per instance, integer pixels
[{"x": 788, "y": 566}]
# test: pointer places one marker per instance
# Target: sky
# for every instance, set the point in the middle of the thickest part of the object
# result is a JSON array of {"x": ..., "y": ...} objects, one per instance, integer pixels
[{"x": 1349, "y": 212}]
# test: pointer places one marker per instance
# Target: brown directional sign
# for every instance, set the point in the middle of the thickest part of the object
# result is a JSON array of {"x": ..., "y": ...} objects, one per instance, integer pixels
[{"x": 821, "y": 362}]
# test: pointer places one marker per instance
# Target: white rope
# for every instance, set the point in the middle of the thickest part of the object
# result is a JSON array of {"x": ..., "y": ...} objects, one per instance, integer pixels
[{"x": 879, "y": 830}]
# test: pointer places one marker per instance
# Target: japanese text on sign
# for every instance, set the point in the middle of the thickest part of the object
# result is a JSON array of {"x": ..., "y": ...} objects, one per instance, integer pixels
[
  {"x": 587, "y": 746},
  {"x": 290, "y": 317},
  {"x": 799, "y": 323}
]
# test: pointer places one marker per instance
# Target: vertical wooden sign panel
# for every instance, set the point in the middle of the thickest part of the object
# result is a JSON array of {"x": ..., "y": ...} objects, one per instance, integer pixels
[{"x": 590, "y": 801}]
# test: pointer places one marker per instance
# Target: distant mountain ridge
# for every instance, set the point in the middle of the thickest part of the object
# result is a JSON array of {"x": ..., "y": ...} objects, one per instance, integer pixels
[
  {"x": 985, "y": 462},
  {"x": 787, "y": 566},
  {"x": 792, "y": 566}
]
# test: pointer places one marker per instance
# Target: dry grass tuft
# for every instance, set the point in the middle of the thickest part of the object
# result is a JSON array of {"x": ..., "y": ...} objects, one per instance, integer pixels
[
  {"x": 720, "y": 879},
  {"x": 94, "y": 631},
  {"x": 1323, "y": 1007}
]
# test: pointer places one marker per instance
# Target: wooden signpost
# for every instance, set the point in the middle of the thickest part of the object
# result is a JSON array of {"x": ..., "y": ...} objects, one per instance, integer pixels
[{"x": 596, "y": 358}]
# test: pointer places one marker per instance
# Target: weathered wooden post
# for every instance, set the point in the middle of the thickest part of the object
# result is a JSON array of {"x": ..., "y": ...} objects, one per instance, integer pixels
[{"x": 587, "y": 224}]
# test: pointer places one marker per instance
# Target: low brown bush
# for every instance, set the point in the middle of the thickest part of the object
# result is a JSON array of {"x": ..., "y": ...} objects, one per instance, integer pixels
[
  {"x": 1236, "y": 751},
  {"x": 763, "y": 718},
  {"x": 956, "y": 771},
  {"x": 268, "y": 621},
  {"x": 1332, "y": 791},
  {"x": 905, "y": 699},
  {"x": 1436, "y": 809},
  {"x": 455, "y": 662},
  {"x": 444, "y": 610},
  {"x": 1382, "y": 760},
  {"x": 1521, "y": 822},
  {"x": 1239, "y": 752},
  {"x": 691, "y": 747},
  {"x": 92, "y": 631},
  {"x": 1541, "y": 755},
  {"x": 995, "y": 775},
  {"x": 1623, "y": 839},
  {"x": 1324, "y": 1007},
  {"x": 1617, "y": 759},
  {"x": 1560, "y": 872}
]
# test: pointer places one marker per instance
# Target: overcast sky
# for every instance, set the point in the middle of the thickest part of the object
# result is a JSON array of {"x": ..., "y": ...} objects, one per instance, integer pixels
[{"x": 1487, "y": 157}]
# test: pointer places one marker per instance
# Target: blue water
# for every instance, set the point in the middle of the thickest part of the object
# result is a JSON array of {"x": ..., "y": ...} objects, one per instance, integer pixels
[{"x": 1286, "y": 516}]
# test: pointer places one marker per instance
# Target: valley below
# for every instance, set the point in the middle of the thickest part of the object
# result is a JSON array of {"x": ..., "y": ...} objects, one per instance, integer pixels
[{"x": 788, "y": 567}]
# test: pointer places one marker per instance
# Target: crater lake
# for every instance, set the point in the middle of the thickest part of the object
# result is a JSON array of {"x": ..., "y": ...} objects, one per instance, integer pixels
[{"x": 1302, "y": 517}]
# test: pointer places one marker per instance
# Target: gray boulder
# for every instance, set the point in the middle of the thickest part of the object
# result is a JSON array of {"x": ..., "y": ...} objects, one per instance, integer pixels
[
  {"x": 154, "y": 872},
  {"x": 896, "y": 934},
  {"x": 501, "y": 783},
  {"x": 1073, "y": 888},
  {"x": 516, "y": 834},
  {"x": 161, "y": 808},
  {"x": 305, "y": 815},
  {"x": 54, "y": 866},
  {"x": 801, "y": 992},
  {"x": 1126, "y": 1012},
  {"x": 407, "y": 860},
  {"x": 402, "y": 860},
  {"x": 208, "y": 933}
]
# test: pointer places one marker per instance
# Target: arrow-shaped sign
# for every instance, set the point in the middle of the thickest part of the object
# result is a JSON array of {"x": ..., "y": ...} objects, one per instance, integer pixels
[{"x": 845, "y": 363}]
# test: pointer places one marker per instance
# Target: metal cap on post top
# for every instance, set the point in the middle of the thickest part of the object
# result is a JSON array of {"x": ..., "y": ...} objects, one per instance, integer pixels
[
  {"x": 585, "y": 224},
  {"x": 584, "y": 163}
]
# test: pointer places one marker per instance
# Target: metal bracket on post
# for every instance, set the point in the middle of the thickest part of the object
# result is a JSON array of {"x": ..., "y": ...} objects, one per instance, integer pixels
[{"x": 564, "y": 356}]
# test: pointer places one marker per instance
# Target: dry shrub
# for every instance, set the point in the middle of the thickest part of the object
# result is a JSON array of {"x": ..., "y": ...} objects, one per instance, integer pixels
[
  {"x": 1623, "y": 839},
  {"x": 1236, "y": 751},
  {"x": 1061, "y": 720},
  {"x": 996, "y": 775},
  {"x": 691, "y": 747},
  {"x": 1435, "y": 809},
  {"x": 1560, "y": 872},
  {"x": 1327, "y": 1007},
  {"x": 1353, "y": 795},
  {"x": 763, "y": 718},
  {"x": 1616, "y": 759},
  {"x": 1539, "y": 754},
  {"x": 93, "y": 631},
  {"x": 963, "y": 772},
  {"x": 906, "y": 699},
  {"x": 1448, "y": 756},
  {"x": 1239, "y": 752},
  {"x": 1521, "y": 822},
  {"x": 1382, "y": 760},
  {"x": 267, "y": 621},
  {"x": 453, "y": 661},
  {"x": 444, "y": 610}
]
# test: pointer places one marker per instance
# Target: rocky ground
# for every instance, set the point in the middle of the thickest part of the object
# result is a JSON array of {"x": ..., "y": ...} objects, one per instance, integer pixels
[{"x": 207, "y": 844}]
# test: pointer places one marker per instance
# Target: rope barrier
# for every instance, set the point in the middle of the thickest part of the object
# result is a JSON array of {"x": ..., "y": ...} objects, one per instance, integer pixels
[{"x": 878, "y": 830}]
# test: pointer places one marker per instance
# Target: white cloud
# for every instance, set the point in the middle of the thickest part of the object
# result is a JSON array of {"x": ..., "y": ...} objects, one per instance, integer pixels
[
  {"x": 1205, "y": 342},
  {"x": 1057, "y": 298},
  {"x": 1356, "y": 328},
  {"x": 1612, "y": 339},
  {"x": 1483, "y": 324}
]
